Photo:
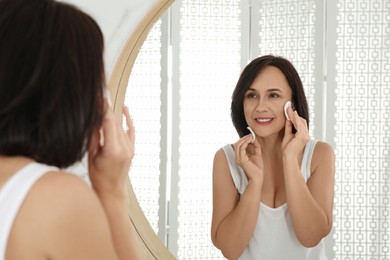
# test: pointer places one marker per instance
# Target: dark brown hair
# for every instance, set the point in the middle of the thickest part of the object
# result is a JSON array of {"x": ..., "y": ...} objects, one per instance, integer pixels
[
  {"x": 248, "y": 76},
  {"x": 51, "y": 80}
]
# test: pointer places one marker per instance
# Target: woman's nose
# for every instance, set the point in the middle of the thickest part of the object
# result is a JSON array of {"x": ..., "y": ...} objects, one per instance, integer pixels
[{"x": 261, "y": 105}]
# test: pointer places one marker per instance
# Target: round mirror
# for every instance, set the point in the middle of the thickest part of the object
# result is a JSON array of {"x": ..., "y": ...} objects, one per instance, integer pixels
[
  {"x": 148, "y": 240},
  {"x": 125, "y": 25}
]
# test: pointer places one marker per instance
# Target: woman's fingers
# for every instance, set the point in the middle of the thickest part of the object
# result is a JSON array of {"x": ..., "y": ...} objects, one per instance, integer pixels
[
  {"x": 288, "y": 129},
  {"x": 294, "y": 117},
  {"x": 129, "y": 123},
  {"x": 110, "y": 130},
  {"x": 109, "y": 165},
  {"x": 115, "y": 141},
  {"x": 292, "y": 143},
  {"x": 241, "y": 149},
  {"x": 129, "y": 133},
  {"x": 298, "y": 122},
  {"x": 248, "y": 157}
]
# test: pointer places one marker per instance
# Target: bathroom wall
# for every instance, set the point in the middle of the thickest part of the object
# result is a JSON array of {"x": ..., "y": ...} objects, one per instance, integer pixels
[{"x": 117, "y": 19}]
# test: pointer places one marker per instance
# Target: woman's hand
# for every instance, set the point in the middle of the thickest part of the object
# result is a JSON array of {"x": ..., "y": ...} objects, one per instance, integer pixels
[
  {"x": 249, "y": 157},
  {"x": 293, "y": 144},
  {"x": 110, "y": 154}
]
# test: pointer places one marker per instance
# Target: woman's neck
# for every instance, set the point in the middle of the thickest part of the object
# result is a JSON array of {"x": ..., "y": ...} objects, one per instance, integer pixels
[{"x": 271, "y": 144}]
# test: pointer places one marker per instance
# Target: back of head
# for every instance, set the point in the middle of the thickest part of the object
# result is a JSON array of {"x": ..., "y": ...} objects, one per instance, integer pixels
[{"x": 51, "y": 80}]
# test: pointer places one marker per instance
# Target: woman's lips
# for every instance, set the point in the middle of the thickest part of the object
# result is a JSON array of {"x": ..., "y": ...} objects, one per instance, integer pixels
[{"x": 264, "y": 121}]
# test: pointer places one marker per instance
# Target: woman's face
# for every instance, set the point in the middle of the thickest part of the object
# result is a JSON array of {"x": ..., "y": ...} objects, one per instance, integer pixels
[{"x": 264, "y": 102}]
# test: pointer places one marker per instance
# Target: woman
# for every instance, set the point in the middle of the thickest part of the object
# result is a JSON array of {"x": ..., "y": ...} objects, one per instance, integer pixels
[
  {"x": 272, "y": 196},
  {"x": 52, "y": 111}
]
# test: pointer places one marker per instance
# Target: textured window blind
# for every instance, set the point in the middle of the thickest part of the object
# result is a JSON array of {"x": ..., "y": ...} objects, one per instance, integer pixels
[
  {"x": 209, "y": 66},
  {"x": 143, "y": 97},
  {"x": 362, "y": 203}
]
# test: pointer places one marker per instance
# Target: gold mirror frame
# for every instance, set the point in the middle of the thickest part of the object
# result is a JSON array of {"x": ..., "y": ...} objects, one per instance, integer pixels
[{"x": 148, "y": 242}]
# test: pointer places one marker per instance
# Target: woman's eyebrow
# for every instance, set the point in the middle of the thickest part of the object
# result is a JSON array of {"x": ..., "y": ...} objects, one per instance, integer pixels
[
  {"x": 252, "y": 89},
  {"x": 274, "y": 89},
  {"x": 268, "y": 90}
]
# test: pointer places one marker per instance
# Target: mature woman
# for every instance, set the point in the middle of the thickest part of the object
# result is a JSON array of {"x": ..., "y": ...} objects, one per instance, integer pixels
[
  {"x": 272, "y": 193},
  {"x": 52, "y": 111}
]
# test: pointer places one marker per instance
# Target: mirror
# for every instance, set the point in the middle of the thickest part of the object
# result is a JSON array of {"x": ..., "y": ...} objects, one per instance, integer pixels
[
  {"x": 341, "y": 66},
  {"x": 125, "y": 24}
]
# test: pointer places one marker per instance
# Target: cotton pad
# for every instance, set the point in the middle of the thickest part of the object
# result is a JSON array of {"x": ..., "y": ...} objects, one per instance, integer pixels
[
  {"x": 286, "y": 106},
  {"x": 253, "y": 134}
]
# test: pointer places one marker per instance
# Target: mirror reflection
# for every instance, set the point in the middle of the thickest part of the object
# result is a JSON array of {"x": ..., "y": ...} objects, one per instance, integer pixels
[{"x": 179, "y": 94}]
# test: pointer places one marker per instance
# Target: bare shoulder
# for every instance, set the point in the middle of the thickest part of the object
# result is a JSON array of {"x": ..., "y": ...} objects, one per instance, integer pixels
[
  {"x": 68, "y": 197},
  {"x": 64, "y": 192},
  {"x": 60, "y": 208},
  {"x": 60, "y": 192},
  {"x": 220, "y": 163},
  {"x": 323, "y": 156},
  {"x": 323, "y": 148},
  {"x": 63, "y": 186},
  {"x": 220, "y": 156}
]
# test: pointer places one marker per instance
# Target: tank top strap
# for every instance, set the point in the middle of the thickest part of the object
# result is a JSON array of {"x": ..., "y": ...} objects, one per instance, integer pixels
[
  {"x": 12, "y": 195},
  {"x": 238, "y": 175},
  {"x": 306, "y": 160}
]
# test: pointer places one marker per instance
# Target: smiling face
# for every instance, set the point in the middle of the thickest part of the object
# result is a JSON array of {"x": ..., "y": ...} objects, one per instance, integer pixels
[{"x": 264, "y": 102}]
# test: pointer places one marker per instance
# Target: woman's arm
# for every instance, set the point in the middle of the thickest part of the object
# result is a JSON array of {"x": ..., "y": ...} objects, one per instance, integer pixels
[
  {"x": 234, "y": 218},
  {"x": 310, "y": 205}
]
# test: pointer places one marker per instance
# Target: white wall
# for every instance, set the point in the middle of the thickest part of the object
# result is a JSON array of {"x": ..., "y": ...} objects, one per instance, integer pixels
[{"x": 117, "y": 19}]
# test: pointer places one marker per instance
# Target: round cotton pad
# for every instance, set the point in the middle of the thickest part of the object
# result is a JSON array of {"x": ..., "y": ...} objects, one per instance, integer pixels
[
  {"x": 286, "y": 106},
  {"x": 253, "y": 134}
]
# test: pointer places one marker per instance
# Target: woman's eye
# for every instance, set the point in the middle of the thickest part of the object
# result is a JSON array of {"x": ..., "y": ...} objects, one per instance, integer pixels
[
  {"x": 251, "y": 95},
  {"x": 274, "y": 95}
]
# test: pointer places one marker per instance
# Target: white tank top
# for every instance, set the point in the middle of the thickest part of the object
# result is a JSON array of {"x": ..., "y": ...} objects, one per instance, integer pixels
[
  {"x": 12, "y": 195},
  {"x": 274, "y": 237}
]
